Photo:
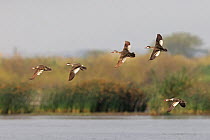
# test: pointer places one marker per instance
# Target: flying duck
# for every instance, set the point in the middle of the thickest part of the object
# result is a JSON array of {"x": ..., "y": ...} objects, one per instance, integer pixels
[
  {"x": 157, "y": 48},
  {"x": 75, "y": 69},
  {"x": 124, "y": 54},
  {"x": 175, "y": 101},
  {"x": 38, "y": 70}
]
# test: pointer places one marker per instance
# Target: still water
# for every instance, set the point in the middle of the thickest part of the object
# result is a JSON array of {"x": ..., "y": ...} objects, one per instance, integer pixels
[{"x": 104, "y": 128}]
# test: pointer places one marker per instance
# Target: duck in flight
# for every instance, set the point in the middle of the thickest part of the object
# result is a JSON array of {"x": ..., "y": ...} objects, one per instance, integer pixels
[
  {"x": 175, "y": 101},
  {"x": 76, "y": 67},
  {"x": 157, "y": 48},
  {"x": 124, "y": 54},
  {"x": 38, "y": 70}
]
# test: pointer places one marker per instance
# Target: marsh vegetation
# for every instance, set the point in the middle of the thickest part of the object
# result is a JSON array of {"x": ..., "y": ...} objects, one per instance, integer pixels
[{"x": 137, "y": 86}]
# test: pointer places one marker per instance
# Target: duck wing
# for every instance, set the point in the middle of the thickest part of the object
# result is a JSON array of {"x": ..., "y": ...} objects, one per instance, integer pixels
[
  {"x": 120, "y": 62},
  {"x": 73, "y": 72},
  {"x": 71, "y": 75},
  {"x": 127, "y": 46},
  {"x": 37, "y": 72},
  {"x": 159, "y": 41},
  {"x": 155, "y": 53},
  {"x": 173, "y": 105}
]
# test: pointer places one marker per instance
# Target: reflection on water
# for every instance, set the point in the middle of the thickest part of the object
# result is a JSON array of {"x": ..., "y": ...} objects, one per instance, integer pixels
[{"x": 104, "y": 127}]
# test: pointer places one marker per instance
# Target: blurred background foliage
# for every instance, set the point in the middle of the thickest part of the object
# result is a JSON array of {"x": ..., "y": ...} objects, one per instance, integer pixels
[
  {"x": 184, "y": 44},
  {"x": 138, "y": 85}
]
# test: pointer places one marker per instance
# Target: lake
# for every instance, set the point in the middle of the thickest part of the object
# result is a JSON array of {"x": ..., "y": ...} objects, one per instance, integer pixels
[{"x": 104, "y": 127}]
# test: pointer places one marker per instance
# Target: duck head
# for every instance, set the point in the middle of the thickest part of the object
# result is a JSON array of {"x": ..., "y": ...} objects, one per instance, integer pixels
[
  {"x": 35, "y": 67},
  {"x": 169, "y": 99},
  {"x": 69, "y": 64},
  {"x": 147, "y": 47},
  {"x": 115, "y": 51}
]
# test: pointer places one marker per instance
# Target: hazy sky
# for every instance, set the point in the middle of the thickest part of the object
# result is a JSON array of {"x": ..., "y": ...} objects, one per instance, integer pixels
[{"x": 62, "y": 27}]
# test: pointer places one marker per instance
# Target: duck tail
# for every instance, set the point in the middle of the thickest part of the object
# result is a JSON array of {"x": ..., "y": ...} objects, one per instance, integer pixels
[
  {"x": 165, "y": 50},
  {"x": 83, "y": 68},
  {"x": 132, "y": 54}
]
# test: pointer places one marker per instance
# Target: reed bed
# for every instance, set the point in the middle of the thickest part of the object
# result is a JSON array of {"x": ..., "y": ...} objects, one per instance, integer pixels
[{"x": 138, "y": 85}]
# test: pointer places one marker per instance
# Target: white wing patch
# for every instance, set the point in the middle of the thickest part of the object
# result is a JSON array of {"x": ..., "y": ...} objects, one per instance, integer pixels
[
  {"x": 123, "y": 60},
  {"x": 76, "y": 70},
  {"x": 39, "y": 72},
  {"x": 129, "y": 47},
  {"x": 161, "y": 42},
  {"x": 175, "y": 103},
  {"x": 157, "y": 53}
]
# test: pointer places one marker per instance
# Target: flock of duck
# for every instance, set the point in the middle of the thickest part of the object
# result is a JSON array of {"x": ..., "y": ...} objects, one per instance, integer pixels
[{"x": 125, "y": 53}]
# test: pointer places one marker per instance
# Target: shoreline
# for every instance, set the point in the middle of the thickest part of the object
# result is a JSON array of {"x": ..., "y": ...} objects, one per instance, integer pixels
[{"x": 105, "y": 114}]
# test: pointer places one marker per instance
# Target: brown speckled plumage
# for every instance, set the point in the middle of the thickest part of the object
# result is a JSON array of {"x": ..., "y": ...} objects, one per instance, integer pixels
[{"x": 124, "y": 54}]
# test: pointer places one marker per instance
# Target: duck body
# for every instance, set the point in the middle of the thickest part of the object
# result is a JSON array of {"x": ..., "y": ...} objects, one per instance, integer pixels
[
  {"x": 76, "y": 67},
  {"x": 175, "y": 101},
  {"x": 157, "y": 48},
  {"x": 124, "y": 54},
  {"x": 38, "y": 70}
]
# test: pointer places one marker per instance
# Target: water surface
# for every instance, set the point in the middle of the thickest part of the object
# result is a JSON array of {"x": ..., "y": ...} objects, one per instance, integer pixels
[{"x": 104, "y": 127}]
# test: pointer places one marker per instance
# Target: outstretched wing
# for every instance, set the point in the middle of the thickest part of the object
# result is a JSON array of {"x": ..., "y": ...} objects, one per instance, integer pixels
[
  {"x": 159, "y": 41},
  {"x": 71, "y": 75},
  {"x": 73, "y": 72},
  {"x": 127, "y": 46},
  {"x": 120, "y": 62},
  {"x": 37, "y": 72},
  {"x": 155, "y": 53},
  {"x": 172, "y": 106}
]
